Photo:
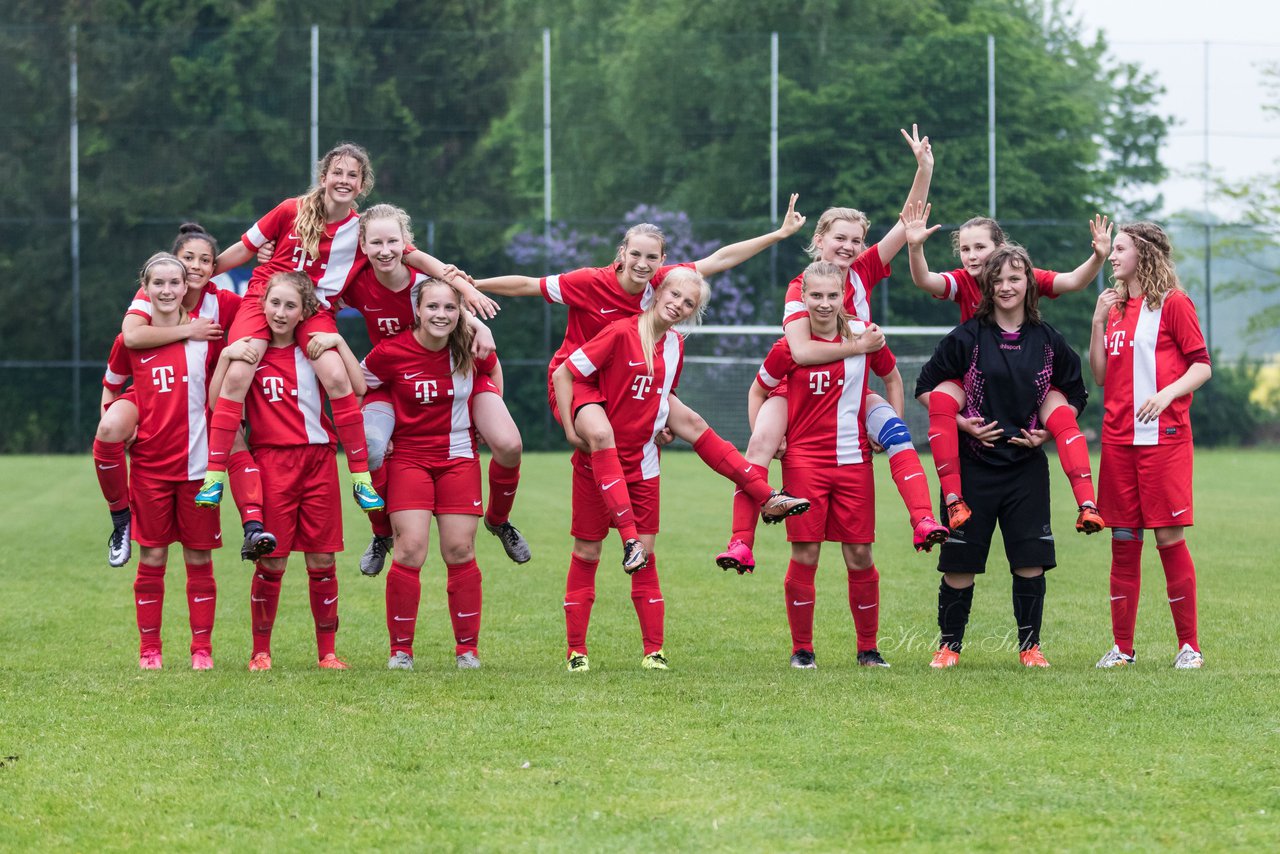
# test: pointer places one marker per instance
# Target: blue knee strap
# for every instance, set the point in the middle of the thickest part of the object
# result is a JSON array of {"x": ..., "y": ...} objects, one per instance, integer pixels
[
  {"x": 890, "y": 430},
  {"x": 1127, "y": 534}
]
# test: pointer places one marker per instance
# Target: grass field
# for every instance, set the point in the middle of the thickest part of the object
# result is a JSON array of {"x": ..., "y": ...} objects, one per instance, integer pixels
[{"x": 730, "y": 750}]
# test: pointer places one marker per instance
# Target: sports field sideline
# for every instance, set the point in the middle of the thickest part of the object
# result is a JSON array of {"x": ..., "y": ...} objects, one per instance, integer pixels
[{"x": 731, "y": 749}]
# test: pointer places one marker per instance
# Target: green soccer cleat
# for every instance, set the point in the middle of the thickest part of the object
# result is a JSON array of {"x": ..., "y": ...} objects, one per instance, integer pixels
[
  {"x": 367, "y": 498},
  {"x": 210, "y": 494},
  {"x": 654, "y": 661}
]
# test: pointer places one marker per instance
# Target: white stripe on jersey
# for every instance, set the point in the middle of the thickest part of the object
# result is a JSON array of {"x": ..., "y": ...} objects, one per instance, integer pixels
[
  {"x": 861, "y": 308},
  {"x": 309, "y": 398},
  {"x": 209, "y": 307},
  {"x": 848, "y": 430},
  {"x": 952, "y": 290},
  {"x": 370, "y": 378},
  {"x": 1145, "y": 335},
  {"x": 792, "y": 308},
  {"x": 670, "y": 364},
  {"x": 142, "y": 305},
  {"x": 582, "y": 363},
  {"x": 342, "y": 257},
  {"x": 111, "y": 377},
  {"x": 255, "y": 235},
  {"x": 197, "y": 352},
  {"x": 460, "y": 419},
  {"x": 647, "y": 299},
  {"x": 767, "y": 379},
  {"x": 553, "y": 289}
]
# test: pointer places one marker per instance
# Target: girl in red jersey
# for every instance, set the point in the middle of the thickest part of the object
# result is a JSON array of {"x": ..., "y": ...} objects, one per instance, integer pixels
[
  {"x": 974, "y": 242},
  {"x": 293, "y": 443},
  {"x": 829, "y": 460},
  {"x": 840, "y": 238},
  {"x": 1148, "y": 354},
  {"x": 625, "y": 377},
  {"x": 382, "y": 293},
  {"x": 211, "y": 309},
  {"x": 168, "y": 460},
  {"x": 433, "y": 467}
]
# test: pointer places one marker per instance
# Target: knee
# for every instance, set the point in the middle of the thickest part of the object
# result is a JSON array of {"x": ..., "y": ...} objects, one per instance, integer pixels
[
  {"x": 455, "y": 553},
  {"x": 320, "y": 562},
  {"x": 588, "y": 550},
  {"x": 857, "y": 557},
  {"x": 806, "y": 553},
  {"x": 507, "y": 450},
  {"x": 1126, "y": 534},
  {"x": 274, "y": 564}
]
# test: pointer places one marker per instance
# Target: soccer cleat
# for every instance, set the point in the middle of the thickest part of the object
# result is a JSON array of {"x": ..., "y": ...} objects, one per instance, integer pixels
[
  {"x": 119, "y": 546},
  {"x": 260, "y": 661},
  {"x": 737, "y": 555},
  {"x": 945, "y": 657},
  {"x": 513, "y": 542},
  {"x": 468, "y": 661},
  {"x": 871, "y": 658},
  {"x": 257, "y": 542},
  {"x": 1033, "y": 657},
  {"x": 634, "y": 556},
  {"x": 400, "y": 660},
  {"x": 201, "y": 661},
  {"x": 367, "y": 498},
  {"x": 577, "y": 662},
  {"x": 149, "y": 661},
  {"x": 210, "y": 494},
  {"x": 332, "y": 662},
  {"x": 780, "y": 505},
  {"x": 654, "y": 661},
  {"x": 957, "y": 513},
  {"x": 928, "y": 533},
  {"x": 1090, "y": 520},
  {"x": 375, "y": 556},
  {"x": 803, "y": 659},
  {"x": 1114, "y": 658},
  {"x": 1188, "y": 659}
]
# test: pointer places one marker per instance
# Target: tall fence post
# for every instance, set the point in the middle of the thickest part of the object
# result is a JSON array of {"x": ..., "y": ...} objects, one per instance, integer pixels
[
  {"x": 773, "y": 150},
  {"x": 75, "y": 235},
  {"x": 315, "y": 99},
  {"x": 991, "y": 126},
  {"x": 546, "y": 201}
]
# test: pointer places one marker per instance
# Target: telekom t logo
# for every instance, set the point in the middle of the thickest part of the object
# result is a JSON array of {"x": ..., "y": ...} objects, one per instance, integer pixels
[
  {"x": 162, "y": 377},
  {"x": 273, "y": 388},
  {"x": 641, "y": 385},
  {"x": 425, "y": 390},
  {"x": 819, "y": 381},
  {"x": 1115, "y": 342},
  {"x": 388, "y": 325}
]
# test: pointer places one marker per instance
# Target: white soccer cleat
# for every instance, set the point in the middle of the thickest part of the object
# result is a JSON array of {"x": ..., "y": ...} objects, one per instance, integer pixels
[{"x": 1188, "y": 659}]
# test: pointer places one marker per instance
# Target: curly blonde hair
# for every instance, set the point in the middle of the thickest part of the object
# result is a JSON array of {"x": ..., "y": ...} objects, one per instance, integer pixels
[
  {"x": 1155, "y": 274},
  {"x": 310, "y": 221}
]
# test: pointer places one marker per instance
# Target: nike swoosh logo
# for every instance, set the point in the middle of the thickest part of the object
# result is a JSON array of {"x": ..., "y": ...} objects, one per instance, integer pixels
[
  {"x": 610, "y": 484},
  {"x": 403, "y": 640},
  {"x": 1114, "y": 598},
  {"x": 654, "y": 601},
  {"x": 1073, "y": 438},
  {"x": 218, "y": 536},
  {"x": 331, "y": 601},
  {"x": 635, "y": 364},
  {"x": 607, "y": 310},
  {"x": 463, "y": 616},
  {"x": 246, "y": 471},
  {"x": 746, "y": 470},
  {"x": 466, "y": 640},
  {"x": 369, "y": 308},
  {"x": 475, "y": 503},
  {"x": 411, "y": 376},
  {"x": 148, "y": 359},
  {"x": 1179, "y": 512},
  {"x": 404, "y": 619},
  {"x": 512, "y": 492},
  {"x": 943, "y": 466},
  {"x": 148, "y": 601},
  {"x": 801, "y": 604},
  {"x": 621, "y": 513},
  {"x": 908, "y": 477},
  {"x": 933, "y": 436},
  {"x": 257, "y": 598},
  {"x": 202, "y": 599},
  {"x": 148, "y": 631},
  {"x": 106, "y": 468},
  {"x": 567, "y": 604},
  {"x": 1179, "y": 599},
  {"x": 865, "y": 607},
  {"x": 200, "y": 632}
]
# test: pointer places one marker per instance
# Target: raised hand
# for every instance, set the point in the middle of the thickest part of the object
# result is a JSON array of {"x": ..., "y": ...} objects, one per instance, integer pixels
[
  {"x": 915, "y": 222},
  {"x": 1106, "y": 301},
  {"x": 1100, "y": 233},
  {"x": 919, "y": 147},
  {"x": 793, "y": 221}
]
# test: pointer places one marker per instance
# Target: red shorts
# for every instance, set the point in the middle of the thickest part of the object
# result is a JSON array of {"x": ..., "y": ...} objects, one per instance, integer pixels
[
  {"x": 165, "y": 511},
  {"x": 250, "y": 322},
  {"x": 443, "y": 488},
  {"x": 842, "y": 503},
  {"x": 127, "y": 394},
  {"x": 780, "y": 390},
  {"x": 301, "y": 499},
  {"x": 583, "y": 393},
  {"x": 1146, "y": 486},
  {"x": 381, "y": 394},
  {"x": 592, "y": 518}
]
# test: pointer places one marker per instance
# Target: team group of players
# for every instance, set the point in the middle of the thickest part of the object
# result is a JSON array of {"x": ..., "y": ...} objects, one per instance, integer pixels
[{"x": 230, "y": 391}]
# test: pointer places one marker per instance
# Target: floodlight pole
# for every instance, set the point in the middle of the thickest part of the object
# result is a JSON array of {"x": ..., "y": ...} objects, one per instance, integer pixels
[
  {"x": 75, "y": 235},
  {"x": 991, "y": 126},
  {"x": 546, "y": 199},
  {"x": 315, "y": 99}
]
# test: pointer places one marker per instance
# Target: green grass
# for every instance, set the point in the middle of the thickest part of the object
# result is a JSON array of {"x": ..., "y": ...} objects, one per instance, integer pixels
[{"x": 729, "y": 750}]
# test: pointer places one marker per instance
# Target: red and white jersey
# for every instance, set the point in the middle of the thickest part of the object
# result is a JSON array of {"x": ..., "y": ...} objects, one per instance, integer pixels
[
  {"x": 386, "y": 313},
  {"x": 595, "y": 300},
  {"x": 1147, "y": 350},
  {"x": 217, "y": 304},
  {"x": 963, "y": 288},
  {"x": 635, "y": 397},
  {"x": 339, "y": 252},
  {"x": 119, "y": 368},
  {"x": 826, "y": 418},
  {"x": 865, "y": 273},
  {"x": 285, "y": 403},
  {"x": 432, "y": 400},
  {"x": 171, "y": 388}
]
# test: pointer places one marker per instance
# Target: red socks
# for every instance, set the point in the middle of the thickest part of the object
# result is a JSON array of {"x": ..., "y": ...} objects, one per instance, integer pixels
[
  {"x": 246, "y": 486},
  {"x": 264, "y": 599},
  {"x": 1180, "y": 581},
  {"x": 913, "y": 486},
  {"x": 799, "y": 590},
  {"x": 404, "y": 592},
  {"x": 1126, "y": 584},
  {"x": 579, "y": 596},
  {"x": 379, "y": 521},
  {"x": 348, "y": 422},
  {"x": 502, "y": 492},
  {"x": 1073, "y": 453},
  {"x": 723, "y": 458},
  {"x": 202, "y": 600},
  {"x": 113, "y": 473},
  {"x": 322, "y": 584},
  {"x": 223, "y": 424},
  {"x": 464, "y": 593},
  {"x": 613, "y": 489},
  {"x": 944, "y": 441},
  {"x": 864, "y": 604},
  {"x": 148, "y": 594},
  {"x": 646, "y": 595}
]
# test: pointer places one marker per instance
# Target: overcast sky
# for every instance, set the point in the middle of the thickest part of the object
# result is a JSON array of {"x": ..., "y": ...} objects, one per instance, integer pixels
[{"x": 1168, "y": 37}]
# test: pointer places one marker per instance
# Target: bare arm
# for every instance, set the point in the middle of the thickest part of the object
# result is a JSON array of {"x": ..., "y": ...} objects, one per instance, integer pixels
[
  {"x": 727, "y": 257},
  {"x": 510, "y": 286},
  {"x": 562, "y": 380},
  {"x": 806, "y": 351},
  {"x": 1080, "y": 277},
  {"x": 1098, "y": 336},
  {"x": 233, "y": 256},
  {"x": 892, "y": 242},
  {"x": 1197, "y": 375},
  {"x": 434, "y": 267},
  {"x": 895, "y": 391},
  {"x": 916, "y": 229},
  {"x": 139, "y": 334},
  {"x": 756, "y": 397},
  {"x": 482, "y": 343}
]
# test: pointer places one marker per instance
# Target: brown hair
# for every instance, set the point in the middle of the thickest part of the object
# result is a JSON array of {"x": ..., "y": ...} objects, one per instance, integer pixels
[
  {"x": 998, "y": 237},
  {"x": 646, "y": 228},
  {"x": 310, "y": 220},
  {"x": 1015, "y": 255},
  {"x": 829, "y": 217},
  {"x": 301, "y": 283},
  {"x": 1155, "y": 273},
  {"x": 190, "y": 231},
  {"x": 156, "y": 260},
  {"x": 828, "y": 270},
  {"x": 461, "y": 337}
]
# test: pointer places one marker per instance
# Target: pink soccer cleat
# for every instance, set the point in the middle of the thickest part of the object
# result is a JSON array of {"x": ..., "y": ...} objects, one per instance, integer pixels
[
  {"x": 737, "y": 555},
  {"x": 928, "y": 533},
  {"x": 201, "y": 660},
  {"x": 150, "y": 661}
]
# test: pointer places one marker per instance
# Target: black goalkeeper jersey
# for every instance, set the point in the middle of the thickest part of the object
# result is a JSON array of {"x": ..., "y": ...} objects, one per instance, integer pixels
[{"x": 1005, "y": 377}]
